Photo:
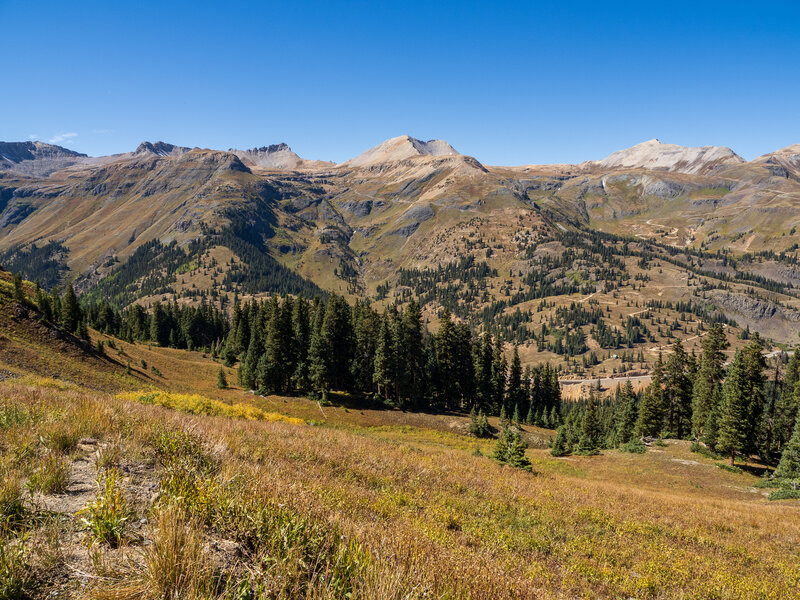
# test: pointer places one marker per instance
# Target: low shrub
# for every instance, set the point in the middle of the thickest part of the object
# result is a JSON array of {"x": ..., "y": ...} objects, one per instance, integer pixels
[
  {"x": 634, "y": 447},
  {"x": 200, "y": 405},
  {"x": 727, "y": 467},
  {"x": 784, "y": 494},
  {"x": 108, "y": 516}
]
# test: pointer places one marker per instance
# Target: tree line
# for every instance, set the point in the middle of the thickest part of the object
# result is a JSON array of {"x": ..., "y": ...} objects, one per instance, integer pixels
[
  {"x": 296, "y": 346},
  {"x": 740, "y": 408}
]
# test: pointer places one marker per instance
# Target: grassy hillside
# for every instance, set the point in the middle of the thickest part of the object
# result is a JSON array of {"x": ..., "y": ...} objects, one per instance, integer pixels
[{"x": 120, "y": 492}]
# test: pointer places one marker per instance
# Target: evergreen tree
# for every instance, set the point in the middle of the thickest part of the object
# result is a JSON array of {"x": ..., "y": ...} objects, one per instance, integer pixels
[
  {"x": 650, "y": 421},
  {"x": 384, "y": 362},
  {"x": 515, "y": 393},
  {"x": 515, "y": 419},
  {"x": 711, "y": 427},
  {"x": 787, "y": 406},
  {"x": 678, "y": 392},
  {"x": 754, "y": 366},
  {"x": 479, "y": 424},
  {"x": 709, "y": 377},
  {"x": 411, "y": 365},
  {"x": 301, "y": 339},
  {"x": 560, "y": 443},
  {"x": 732, "y": 425},
  {"x": 591, "y": 432},
  {"x": 318, "y": 369},
  {"x": 19, "y": 293},
  {"x": 222, "y": 381},
  {"x": 159, "y": 326},
  {"x": 510, "y": 449},
  {"x": 789, "y": 466},
  {"x": 499, "y": 369},
  {"x": 483, "y": 372},
  {"x": 627, "y": 423},
  {"x": 70, "y": 311}
]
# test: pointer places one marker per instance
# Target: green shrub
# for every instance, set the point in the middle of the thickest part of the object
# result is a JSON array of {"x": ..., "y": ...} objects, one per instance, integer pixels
[
  {"x": 107, "y": 517},
  {"x": 784, "y": 494},
  {"x": 727, "y": 467},
  {"x": 634, "y": 447},
  {"x": 479, "y": 424},
  {"x": 699, "y": 448}
]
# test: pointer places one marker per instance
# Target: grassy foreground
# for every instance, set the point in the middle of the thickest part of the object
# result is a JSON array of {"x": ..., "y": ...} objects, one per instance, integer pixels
[{"x": 103, "y": 497}]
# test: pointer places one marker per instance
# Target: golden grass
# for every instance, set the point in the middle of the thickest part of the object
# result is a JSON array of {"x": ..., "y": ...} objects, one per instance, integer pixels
[{"x": 429, "y": 519}]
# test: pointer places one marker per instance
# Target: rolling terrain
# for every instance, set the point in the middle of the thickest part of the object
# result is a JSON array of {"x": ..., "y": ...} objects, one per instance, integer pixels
[
  {"x": 149, "y": 481},
  {"x": 668, "y": 236}
]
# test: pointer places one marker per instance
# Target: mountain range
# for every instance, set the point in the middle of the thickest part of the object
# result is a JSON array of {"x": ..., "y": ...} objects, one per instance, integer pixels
[{"x": 410, "y": 218}]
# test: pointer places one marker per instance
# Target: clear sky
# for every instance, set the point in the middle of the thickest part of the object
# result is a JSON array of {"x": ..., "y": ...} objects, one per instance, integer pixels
[{"x": 507, "y": 82}]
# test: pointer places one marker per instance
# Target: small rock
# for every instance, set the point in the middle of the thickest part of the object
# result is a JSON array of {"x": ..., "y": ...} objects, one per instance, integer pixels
[{"x": 88, "y": 441}]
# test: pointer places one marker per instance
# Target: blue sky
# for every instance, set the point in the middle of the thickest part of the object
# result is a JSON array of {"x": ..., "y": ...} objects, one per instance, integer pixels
[{"x": 507, "y": 82}]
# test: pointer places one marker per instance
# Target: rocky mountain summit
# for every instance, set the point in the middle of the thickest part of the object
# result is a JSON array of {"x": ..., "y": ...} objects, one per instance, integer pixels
[
  {"x": 656, "y": 156},
  {"x": 276, "y": 156},
  {"x": 401, "y": 148}
]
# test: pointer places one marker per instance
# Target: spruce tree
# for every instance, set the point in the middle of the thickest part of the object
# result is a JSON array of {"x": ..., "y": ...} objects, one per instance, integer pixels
[
  {"x": 732, "y": 424},
  {"x": 787, "y": 406},
  {"x": 318, "y": 352},
  {"x": 515, "y": 394},
  {"x": 560, "y": 443},
  {"x": 19, "y": 293},
  {"x": 510, "y": 449},
  {"x": 789, "y": 466},
  {"x": 627, "y": 422},
  {"x": 678, "y": 392},
  {"x": 709, "y": 376},
  {"x": 483, "y": 372},
  {"x": 222, "y": 381},
  {"x": 591, "y": 432},
  {"x": 70, "y": 311},
  {"x": 384, "y": 362},
  {"x": 650, "y": 421}
]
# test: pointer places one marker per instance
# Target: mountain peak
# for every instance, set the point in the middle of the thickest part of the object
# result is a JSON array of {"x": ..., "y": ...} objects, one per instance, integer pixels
[
  {"x": 274, "y": 156},
  {"x": 400, "y": 148},
  {"x": 655, "y": 155},
  {"x": 160, "y": 149}
]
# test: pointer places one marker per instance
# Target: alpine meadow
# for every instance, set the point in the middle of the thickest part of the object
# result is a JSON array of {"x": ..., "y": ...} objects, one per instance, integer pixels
[{"x": 409, "y": 372}]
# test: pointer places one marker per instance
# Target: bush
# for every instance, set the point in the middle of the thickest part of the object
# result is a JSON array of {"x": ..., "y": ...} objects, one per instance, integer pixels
[
  {"x": 731, "y": 468},
  {"x": 510, "y": 450},
  {"x": 634, "y": 447},
  {"x": 52, "y": 477},
  {"x": 108, "y": 516},
  {"x": 703, "y": 450},
  {"x": 479, "y": 425},
  {"x": 784, "y": 494}
]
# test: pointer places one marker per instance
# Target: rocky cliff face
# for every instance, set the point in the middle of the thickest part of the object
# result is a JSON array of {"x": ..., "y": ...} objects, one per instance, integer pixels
[{"x": 37, "y": 159}]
